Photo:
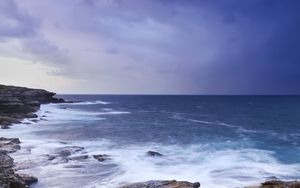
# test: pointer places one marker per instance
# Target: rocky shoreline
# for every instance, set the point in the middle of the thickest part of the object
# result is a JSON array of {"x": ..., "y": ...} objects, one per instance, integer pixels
[{"x": 17, "y": 103}]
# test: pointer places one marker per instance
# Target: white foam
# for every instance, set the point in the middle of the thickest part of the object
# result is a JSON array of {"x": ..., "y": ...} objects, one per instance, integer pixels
[
  {"x": 213, "y": 168},
  {"x": 89, "y": 103},
  {"x": 54, "y": 113}
]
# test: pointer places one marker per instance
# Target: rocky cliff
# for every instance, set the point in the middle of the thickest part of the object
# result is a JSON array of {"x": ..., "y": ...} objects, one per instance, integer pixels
[{"x": 17, "y": 103}]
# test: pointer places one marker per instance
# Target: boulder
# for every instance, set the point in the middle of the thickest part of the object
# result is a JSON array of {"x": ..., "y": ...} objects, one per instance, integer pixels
[
  {"x": 101, "y": 158},
  {"x": 9, "y": 145},
  {"x": 153, "y": 154},
  {"x": 163, "y": 184},
  {"x": 28, "y": 179},
  {"x": 79, "y": 158},
  {"x": 68, "y": 150},
  {"x": 280, "y": 184}
]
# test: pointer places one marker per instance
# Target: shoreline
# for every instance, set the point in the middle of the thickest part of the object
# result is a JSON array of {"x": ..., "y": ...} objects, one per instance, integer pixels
[
  {"x": 17, "y": 104},
  {"x": 20, "y": 108}
]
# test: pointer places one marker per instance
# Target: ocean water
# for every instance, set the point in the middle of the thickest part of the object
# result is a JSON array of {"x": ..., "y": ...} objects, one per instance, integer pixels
[{"x": 220, "y": 141}]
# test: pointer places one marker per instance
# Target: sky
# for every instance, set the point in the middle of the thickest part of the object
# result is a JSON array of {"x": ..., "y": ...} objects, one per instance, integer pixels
[{"x": 151, "y": 46}]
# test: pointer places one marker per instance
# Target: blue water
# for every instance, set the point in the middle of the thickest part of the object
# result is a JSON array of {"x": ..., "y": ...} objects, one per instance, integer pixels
[{"x": 221, "y": 141}]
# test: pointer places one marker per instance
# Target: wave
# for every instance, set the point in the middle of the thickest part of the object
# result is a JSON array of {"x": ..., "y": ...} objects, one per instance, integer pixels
[
  {"x": 53, "y": 113},
  {"x": 213, "y": 165},
  {"x": 113, "y": 113},
  {"x": 88, "y": 103}
]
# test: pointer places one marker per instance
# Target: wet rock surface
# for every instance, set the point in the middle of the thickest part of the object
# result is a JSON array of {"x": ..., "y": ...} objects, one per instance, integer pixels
[
  {"x": 8, "y": 177},
  {"x": 9, "y": 145},
  {"x": 153, "y": 154},
  {"x": 163, "y": 184},
  {"x": 280, "y": 184},
  {"x": 17, "y": 103},
  {"x": 101, "y": 158}
]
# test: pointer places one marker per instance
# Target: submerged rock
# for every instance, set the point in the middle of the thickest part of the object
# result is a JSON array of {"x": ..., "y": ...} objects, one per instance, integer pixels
[
  {"x": 153, "y": 154},
  {"x": 68, "y": 150},
  {"x": 163, "y": 184},
  {"x": 28, "y": 179},
  {"x": 79, "y": 158},
  {"x": 280, "y": 184},
  {"x": 9, "y": 145},
  {"x": 101, "y": 158}
]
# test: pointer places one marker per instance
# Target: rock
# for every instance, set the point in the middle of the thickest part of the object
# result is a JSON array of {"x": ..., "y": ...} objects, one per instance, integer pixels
[
  {"x": 101, "y": 158},
  {"x": 153, "y": 154},
  {"x": 34, "y": 120},
  {"x": 280, "y": 184},
  {"x": 5, "y": 125},
  {"x": 8, "y": 178},
  {"x": 9, "y": 145},
  {"x": 16, "y": 184},
  {"x": 7, "y": 120},
  {"x": 163, "y": 184},
  {"x": 79, "y": 158},
  {"x": 50, "y": 157},
  {"x": 31, "y": 115},
  {"x": 17, "y": 103},
  {"x": 5, "y": 161},
  {"x": 73, "y": 166},
  {"x": 9, "y": 140},
  {"x": 28, "y": 179},
  {"x": 68, "y": 150}
]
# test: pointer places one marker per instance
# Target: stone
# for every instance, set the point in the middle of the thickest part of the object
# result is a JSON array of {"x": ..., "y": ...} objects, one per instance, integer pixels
[
  {"x": 68, "y": 150},
  {"x": 17, "y": 103},
  {"x": 101, "y": 158},
  {"x": 79, "y": 158},
  {"x": 9, "y": 145},
  {"x": 163, "y": 184},
  {"x": 153, "y": 154},
  {"x": 28, "y": 179},
  {"x": 280, "y": 184}
]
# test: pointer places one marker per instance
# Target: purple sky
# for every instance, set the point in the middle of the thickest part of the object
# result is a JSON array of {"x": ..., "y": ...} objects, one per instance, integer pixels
[{"x": 152, "y": 46}]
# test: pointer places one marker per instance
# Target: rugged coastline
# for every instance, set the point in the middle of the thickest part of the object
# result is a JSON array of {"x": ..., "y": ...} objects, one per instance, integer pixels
[{"x": 17, "y": 103}]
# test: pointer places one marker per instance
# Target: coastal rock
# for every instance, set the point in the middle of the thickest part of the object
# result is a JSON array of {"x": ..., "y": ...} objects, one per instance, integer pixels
[
  {"x": 9, "y": 145},
  {"x": 79, "y": 158},
  {"x": 8, "y": 178},
  {"x": 163, "y": 184},
  {"x": 17, "y": 103},
  {"x": 101, "y": 158},
  {"x": 5, "y": 161},
  {"x": 280, "y": 184},
  {"x": 28, "y": 179},
  {"x": 68, "y": 150},
  {"x": 154, "y": 154}
]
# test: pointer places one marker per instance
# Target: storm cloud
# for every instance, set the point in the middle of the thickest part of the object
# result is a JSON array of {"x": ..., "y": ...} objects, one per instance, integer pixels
[{"x": 158, "y": 46}]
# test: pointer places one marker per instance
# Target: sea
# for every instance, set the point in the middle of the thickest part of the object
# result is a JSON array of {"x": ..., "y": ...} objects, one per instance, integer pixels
[{"x": 219, "y": 141}]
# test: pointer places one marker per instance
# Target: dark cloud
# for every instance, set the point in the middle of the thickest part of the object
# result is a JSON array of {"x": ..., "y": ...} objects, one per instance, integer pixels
[
  {"x": 17, "y": 24},
  {"x": 45, "y": 51},
  {"x": 195, "y": 46}
]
